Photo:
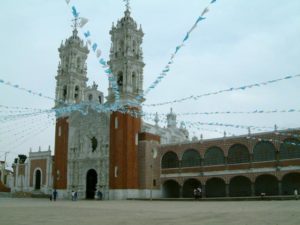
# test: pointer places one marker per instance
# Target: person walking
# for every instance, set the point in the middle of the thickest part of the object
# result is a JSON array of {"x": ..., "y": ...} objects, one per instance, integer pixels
[
  {"x": 73, "y": 195},
  {"x": 195, "y": 194},
  {"x": 296, "y": 193},
  {"x": 54, "y": 195},
  {"x": 199, "y": 192}
]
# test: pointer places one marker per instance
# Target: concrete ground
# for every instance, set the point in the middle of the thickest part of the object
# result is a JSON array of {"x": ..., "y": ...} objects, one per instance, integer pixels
[{"x": 27, "y": 211}]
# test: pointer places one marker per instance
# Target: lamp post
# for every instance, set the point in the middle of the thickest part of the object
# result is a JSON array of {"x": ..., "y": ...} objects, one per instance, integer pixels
[{"x": 154, "y": 155}]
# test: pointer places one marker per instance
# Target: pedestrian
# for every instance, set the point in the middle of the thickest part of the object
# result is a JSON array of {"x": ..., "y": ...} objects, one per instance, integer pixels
[
  {"x": 195, "y": 194},
  {"x": 73, "y": 195},
  {"x": 199, "y": 192},
  {"x": 54, "y": 195},
  {"x": 296, "y": 193},
  {"x": 98, "y": 195}
]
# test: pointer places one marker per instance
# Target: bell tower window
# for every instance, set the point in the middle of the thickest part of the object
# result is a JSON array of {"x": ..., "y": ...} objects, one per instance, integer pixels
[
  {"x": 120, "y": 78},
  {"x": 76, "y": 95},
  {"x": 65, "y": 93},
  {"x": 134, "y": 80}
]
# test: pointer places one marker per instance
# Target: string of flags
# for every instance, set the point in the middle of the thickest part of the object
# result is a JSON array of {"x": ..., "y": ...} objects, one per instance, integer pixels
[
  {"x": 230, "y": 112},
  {"x": 7, "y": 83},
  {"x": 20, "y": 122},
  {"x": 258, "y": 128},
  {"x": 34, "y": 124},
  {"x": 96, "y": 49},
  {"x": 241, "y": 88},
  {"x": 20, "y": 133},
  {"x": 17, "y": 141},
  {"x": 167, "y": 67}
]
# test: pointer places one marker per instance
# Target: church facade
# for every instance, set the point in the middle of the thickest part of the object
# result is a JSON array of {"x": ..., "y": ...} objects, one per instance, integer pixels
[{"x": 120, "y": 155}]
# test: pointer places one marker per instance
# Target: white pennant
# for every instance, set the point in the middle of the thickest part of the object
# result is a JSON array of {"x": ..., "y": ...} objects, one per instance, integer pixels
[
  {"x": 83, "y": 21},
  {"x": 98, "y": 53},
  {"x": 205, "y": 11}
]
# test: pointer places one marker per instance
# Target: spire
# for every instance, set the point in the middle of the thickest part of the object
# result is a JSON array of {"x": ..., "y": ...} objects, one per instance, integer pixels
[
  {"x": 75, "y": 25},
  {"x": 156, "y": 119},
  {"x": 127, "y": 6}
]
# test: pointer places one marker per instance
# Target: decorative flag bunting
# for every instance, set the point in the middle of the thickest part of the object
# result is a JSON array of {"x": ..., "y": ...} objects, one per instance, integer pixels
[
  {"x": 231, "y": 112},
  {"x": 87, "y": 34},
  {"x": 164, "y": 72},
  {"x": 98, "y": 52},
  {"x": 192, "y": 97},
  {"x": 94, "y": 47},
  {"x": 83, "y": 21},
  {"x": 74, "y": 12}
]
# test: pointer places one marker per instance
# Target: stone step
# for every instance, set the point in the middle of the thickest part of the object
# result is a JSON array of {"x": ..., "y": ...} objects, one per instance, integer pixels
[{"x": 5, "y": 195}]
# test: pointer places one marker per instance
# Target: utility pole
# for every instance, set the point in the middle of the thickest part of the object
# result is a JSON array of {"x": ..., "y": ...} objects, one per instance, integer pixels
[
  {"x": 5, "y": 154},
  {"x": 4, "y": 168}
]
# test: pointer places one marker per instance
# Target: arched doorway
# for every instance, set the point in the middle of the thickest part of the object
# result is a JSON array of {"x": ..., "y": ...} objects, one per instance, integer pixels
[
  {"x": 239, "y": 186},
  {"x": 266, "y": 184},
  {"x": 188, "y": 188},
  {"x": 215, "y": 187},
  {"x": 171, "y": 189},
  {"x": 290, "y": 182},
  {"x": 37, "y": 180},
  {"x": 91, "y": 182}
]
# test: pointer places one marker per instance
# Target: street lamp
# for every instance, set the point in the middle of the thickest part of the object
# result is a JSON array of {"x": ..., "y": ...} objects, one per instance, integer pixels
[{"x": 154, "y": 155}]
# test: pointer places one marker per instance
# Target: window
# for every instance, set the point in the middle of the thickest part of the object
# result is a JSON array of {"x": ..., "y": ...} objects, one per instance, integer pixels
[
  {"x": 116, "y": 123},
  {"x": 116, "y": 171},
  {"x": 120, "y": 78},
  {"x": 94, "y": 143},
  {"x": 65, "y": 92},
  {"x": 136, "y": 139},
  {"x": 90, "y": 97},
  {"x": 154, "y": 183},
  {"x": 76, "y": 95},
  {"x": 59, "y": 131}
]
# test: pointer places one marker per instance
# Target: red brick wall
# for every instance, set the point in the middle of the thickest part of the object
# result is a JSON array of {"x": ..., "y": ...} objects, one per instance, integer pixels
[
  {"x": 123, "y": 151},
  {"x": 61, "y": 153}
]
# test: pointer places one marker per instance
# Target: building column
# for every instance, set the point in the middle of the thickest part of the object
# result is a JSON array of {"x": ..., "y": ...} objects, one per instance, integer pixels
[
  {"x": 279, "y": 188},
  {"x": 252, "y": 189},
  {"x": 227, "y": 190},
  {"x": 203, "y": 191},
  {"x": 180, "y": 190}
]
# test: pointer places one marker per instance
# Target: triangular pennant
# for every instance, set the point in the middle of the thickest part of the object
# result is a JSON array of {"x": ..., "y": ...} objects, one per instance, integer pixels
[{"x": 83, "y": 21}]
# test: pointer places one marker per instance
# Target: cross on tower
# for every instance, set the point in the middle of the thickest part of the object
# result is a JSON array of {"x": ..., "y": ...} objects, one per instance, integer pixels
[
  {"x": 127, "y": 4},
  {"x": 75, "y": 23}
]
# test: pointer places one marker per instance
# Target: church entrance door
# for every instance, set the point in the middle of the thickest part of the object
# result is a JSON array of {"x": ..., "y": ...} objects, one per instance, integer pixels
[
  {"x": 91, "y": 181},
  {"x": 38, "y": 180}
]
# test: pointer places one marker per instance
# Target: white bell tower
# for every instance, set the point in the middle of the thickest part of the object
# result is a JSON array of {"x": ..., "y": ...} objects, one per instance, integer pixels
[
  {"x": 126, "y": 59},
  {"x": 72, "y": 70}
]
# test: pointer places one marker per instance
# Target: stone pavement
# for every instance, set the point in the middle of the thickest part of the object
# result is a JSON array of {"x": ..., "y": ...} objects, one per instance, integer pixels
[{"x": 29, "y": 211}]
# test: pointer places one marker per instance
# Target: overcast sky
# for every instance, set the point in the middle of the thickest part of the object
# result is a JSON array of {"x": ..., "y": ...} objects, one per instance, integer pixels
[{"x": 240, "y": 42}]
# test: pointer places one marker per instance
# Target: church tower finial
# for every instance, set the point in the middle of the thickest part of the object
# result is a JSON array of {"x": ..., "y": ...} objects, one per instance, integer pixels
[{"x": 127, "y": 5}]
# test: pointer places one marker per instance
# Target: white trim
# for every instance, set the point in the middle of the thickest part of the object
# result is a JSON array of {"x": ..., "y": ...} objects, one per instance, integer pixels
[{"x": 229, "y": 172}]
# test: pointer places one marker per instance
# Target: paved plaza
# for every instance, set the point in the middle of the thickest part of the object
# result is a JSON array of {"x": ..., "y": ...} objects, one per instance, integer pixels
[{"x": 43, "y": 212}]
